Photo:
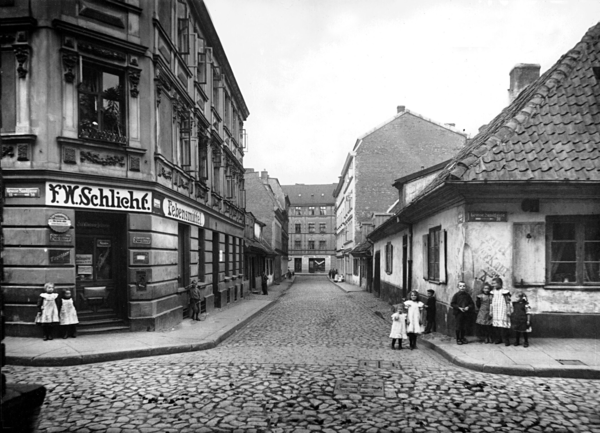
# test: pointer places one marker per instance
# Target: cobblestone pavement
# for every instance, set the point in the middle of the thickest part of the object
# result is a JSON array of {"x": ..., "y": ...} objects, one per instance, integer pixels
[{"x": 317, "y": 361}]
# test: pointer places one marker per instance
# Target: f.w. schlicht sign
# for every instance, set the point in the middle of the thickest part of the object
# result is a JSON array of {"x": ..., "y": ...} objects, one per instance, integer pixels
[{"x": 93, "y": 197}]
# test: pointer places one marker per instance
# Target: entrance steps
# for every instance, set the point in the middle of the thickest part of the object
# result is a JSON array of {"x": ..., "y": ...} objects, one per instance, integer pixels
[{"x": 96, "y": 323}]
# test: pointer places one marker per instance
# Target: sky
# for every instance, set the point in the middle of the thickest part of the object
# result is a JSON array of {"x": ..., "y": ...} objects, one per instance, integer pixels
[{"x": 318, "y": 74}]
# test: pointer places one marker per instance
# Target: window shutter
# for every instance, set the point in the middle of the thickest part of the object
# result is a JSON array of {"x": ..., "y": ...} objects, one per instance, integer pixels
[
  {"x": 443, "y": 255},
  {"x": 426, "y": 257},
  {"x": 391, "y": 258}
]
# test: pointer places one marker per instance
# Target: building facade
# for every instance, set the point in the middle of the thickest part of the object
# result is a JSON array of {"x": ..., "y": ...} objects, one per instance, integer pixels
[
  {"x": 521, "y": 202},
  {"x": 258, "y": 254},
  {"x": 122, "y": 152},
  {"x": 312, "y": 227},
  {"x": 269, "y": 204},
  {"x": 401, "y": 145}
]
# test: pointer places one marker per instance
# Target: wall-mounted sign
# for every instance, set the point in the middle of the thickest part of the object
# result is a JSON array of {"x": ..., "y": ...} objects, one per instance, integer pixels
[
  {"x": 22, "y": 192},
  {"x": 103, "y": 243},
  {"x": 142, "y": 240},
  {"x": 487, "y": 216},
  {"x": 83, "y": 259},
  {"x": 59, "y": 222},
  {"x": 181, "y": 212},
  {"x": 93, "y": 197},
  {"x": 59, "y": 257},
  {"x": 84, "y": 270},
  {"x": 60, "y": 238},
  {"x": 141, "y": 258}
]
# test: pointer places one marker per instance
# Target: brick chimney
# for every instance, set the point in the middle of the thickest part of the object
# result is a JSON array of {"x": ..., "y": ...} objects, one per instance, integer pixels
[
  {"x": 400, "y": 109},
  {"x": 521, "y": 76},
  {"x": 264, "y": 175}
]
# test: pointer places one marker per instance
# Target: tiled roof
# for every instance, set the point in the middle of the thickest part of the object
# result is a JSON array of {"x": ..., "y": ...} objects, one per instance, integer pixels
[
  {"x": 301, "y": 194},
  {"x": 550, "y": 132}
]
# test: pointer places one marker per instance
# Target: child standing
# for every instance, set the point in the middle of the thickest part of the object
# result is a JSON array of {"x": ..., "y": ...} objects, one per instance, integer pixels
[
  {"x": 195, "y": 298},
  {"x": 414, "y": 323},
  {"x": 484, "y": 319},
  {"x": 431, "y": 310},
  {"x": 398, "y": 327},
  {"x": 501, "y": 309},
  {"x": 520, "y": 319},
  {"x": 68, "y": 315},
  {"x": 49, "y": 308}
]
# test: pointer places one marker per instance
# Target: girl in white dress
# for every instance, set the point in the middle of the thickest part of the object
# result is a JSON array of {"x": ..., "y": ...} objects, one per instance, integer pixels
[
  {"x": 68, "y": 315},
  {"x": 48, "y": 309},
  {"x": 414, "y": 321},
  {"x": 398, "y": 327}
]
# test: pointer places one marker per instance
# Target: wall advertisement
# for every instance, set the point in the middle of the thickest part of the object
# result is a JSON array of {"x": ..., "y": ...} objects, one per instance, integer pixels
[{"x": 94, "y": 197}]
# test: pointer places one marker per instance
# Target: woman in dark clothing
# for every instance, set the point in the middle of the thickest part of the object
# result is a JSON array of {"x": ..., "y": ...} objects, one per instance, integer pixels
[{"x": 264, "y": 279}]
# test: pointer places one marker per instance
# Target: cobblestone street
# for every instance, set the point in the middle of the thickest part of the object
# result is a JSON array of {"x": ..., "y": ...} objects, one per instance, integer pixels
[{"x": 318, "y": 360}]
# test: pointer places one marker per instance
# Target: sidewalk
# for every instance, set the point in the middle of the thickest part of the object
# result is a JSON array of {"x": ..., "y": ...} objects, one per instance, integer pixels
[
  {"x": 187, "y": 337},
  {"x": 545, "y": 357}
]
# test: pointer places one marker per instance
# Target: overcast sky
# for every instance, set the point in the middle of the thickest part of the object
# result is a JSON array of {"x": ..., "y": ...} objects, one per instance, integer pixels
[{"x": 318, "y": 74}]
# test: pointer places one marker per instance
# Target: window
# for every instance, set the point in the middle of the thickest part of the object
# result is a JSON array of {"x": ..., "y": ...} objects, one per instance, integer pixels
[
  {"x": 183, "y": 24},
  {"x": 184, "y": 140},
  {"x": 311, "y": 245},
  {"x": 102, "y": 104},
  {"x": 203, "y": 159},
  {"x": 322, "y": 245},
  {"x": 322, "y": 227},
  {"x": 356, "y": 266},
  {"x": 298, "y": 228},
  {"x": 389, "y": 258},
  {"x": 202, "y": 63},
  {"x": 311, "y": 210},
  {"x": 434, "y": 255},
  {"x": 297, "y": 244},
  {"x": 183, "y": 256},
  {"x": 573, "y": 250},
  {"x": 298, "y": 210},
  {"x": 322, "y": 211},
  {"x": 311, "y": 227}
]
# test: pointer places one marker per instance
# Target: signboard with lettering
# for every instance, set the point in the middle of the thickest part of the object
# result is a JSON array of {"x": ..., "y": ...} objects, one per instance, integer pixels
[
  {"x": 486, "y": 216},
  {"x": 60, "y": 238},
  {"x": 22, "y": 192},
  {"x": 59, "y": 222},
  {"x": 83, "y": 259},
  {"x": 181, "y": 212},
  {"x": 141, "y": 240},
  {"x": 93, "y": 197},
  {"x": 59, "y": 257}
]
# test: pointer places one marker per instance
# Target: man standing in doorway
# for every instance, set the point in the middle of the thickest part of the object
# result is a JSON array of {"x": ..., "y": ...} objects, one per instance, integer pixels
[{"x": 462, "y": 304}]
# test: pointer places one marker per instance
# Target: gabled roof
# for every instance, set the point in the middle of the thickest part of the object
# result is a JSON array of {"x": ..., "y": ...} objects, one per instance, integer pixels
[
  {"x": 303, "y": 195},
  {"x": 550, "y": 132}
]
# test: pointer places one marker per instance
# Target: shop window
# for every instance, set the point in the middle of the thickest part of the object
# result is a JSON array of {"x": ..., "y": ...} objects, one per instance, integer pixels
[
  {"x": 322, "y": 245},
  {"x": 356, "y": 266},
  {"x": 311, "y": 227},
  {"x": 183, "y": 255},
  {"x": 102, "y": 104},
  {"x": 573, "y": 246},
  {"x": 298, "y": 228},
  {"x": 311, "y": 245},
  {"x": 434, "y": 255},
  {"x": 389, "y": 258},
  {"x": 322, "y": 227},
  {"x": 94, "y": 256},
  {"x": 322, "y": 211}
]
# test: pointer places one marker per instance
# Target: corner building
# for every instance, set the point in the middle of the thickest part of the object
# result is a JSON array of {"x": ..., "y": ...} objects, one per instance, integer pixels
[{"x": 122, "y": 153}]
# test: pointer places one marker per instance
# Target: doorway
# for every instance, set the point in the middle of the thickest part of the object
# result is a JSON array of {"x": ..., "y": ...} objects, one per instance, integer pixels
[
  {"x": 297, "y": 265},
  {"x": 100, "y": 260},
  {"x": 377, "y": 276}
]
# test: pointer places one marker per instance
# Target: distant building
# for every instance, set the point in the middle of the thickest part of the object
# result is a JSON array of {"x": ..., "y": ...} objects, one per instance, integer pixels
[
  {"x": 312, "y": 227},
  {"x": 404, "y": 144},
  {"x": 521, "y": 201},
  {"x": 269, "y": 204},
  {"x": 122, "y": 155}
]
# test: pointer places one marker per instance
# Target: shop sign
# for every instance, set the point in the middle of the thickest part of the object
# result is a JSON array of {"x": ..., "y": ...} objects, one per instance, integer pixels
[
  {"x": 181, "y": 212},
  {"x": 60, "y": 238},
  {"x": 487, "y": 216},
  {"x": 93, "y": 197},
  {"x": 84, "y": 270},
  {"x": 22, "y": 192},
  {"x": 59, "y": 257},
  {"x": 141, "y": 258},
  {"x": 83, "y": 259},
  {"x": 142, "y": 240},
  {"x": 59, "y": 222}
]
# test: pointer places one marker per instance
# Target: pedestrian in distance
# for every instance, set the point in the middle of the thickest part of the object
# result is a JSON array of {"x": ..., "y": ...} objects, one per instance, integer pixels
[
  {"x": 501, "y": 310},
  {"x": 398, "y": 331},
  {"x": 484, "y": 318},
  {"x": 263, "y": 282},
  {"x": 68, "y": 315},
  {"x": 48, "y": 308},
  {"x": 520, "y": 319},
  {"x": 462, "y": 305},
  {"x": 414, "y": 320},
  {"x": 430, "y": 306},
  {"x": 195, "y": 298}
]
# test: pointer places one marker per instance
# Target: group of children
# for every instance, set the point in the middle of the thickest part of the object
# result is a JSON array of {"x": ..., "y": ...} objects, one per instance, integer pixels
[
  {"x": 56, "y": 310},
  {"x": 497, "y": 315}
]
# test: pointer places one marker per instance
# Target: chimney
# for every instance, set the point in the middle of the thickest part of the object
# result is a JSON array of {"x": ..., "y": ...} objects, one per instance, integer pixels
[
  {"x": 264, "y": 175},
  {"x": 400, "y": 109},
  {"x": 521, "y": 76}
]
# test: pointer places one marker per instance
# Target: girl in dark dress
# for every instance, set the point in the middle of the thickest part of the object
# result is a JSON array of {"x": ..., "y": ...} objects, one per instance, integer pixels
[
  {"x": 520, "y": 319},
  {"x": 484, "y": 318}
]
